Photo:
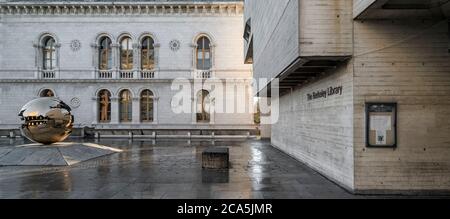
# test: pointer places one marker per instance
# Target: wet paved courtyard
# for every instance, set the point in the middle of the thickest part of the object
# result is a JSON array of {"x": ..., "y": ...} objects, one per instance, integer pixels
[{"x": 171, "y": 170}]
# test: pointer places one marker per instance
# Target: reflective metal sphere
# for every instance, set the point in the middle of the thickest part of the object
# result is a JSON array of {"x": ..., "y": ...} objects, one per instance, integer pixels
[{"x": 46, "y": 120}]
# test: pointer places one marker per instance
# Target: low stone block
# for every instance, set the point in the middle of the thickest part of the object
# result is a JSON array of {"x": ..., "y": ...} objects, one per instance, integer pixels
[{"x": 215, "y": 158}]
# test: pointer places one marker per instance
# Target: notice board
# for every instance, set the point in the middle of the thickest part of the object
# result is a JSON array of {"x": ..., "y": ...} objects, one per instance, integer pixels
[{"x": 381, "y": 124}]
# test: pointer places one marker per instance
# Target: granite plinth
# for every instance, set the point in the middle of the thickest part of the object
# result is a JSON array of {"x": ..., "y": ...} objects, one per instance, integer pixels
[
  {"x": 215, "y": 158},
  {"x": 59, "y": 154}
]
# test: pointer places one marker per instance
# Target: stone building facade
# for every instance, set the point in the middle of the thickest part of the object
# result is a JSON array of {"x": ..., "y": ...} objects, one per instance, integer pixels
[
  {"x": 114, "y": 63},
  {"x": 336, "y": 61}
]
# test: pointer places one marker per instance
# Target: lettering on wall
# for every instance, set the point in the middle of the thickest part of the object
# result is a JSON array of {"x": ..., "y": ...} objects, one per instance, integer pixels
[{"x": 331, "y": 91}]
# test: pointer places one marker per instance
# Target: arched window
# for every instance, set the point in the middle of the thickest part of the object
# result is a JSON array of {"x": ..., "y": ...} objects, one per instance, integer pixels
[
  {"x": 147, "y": 106},
  {"x": 47, "y": 93},
  {"x": 147, "y": 54},
  {"x": 126, "y": 54},
  {"x": 49, "y": 53},
  {"x": 105, "y": 54},
  {"x": 125, "y": 106},
  {"x": 203, "y": 54},
  {"x": 203, "y": 106},
  {"x": 104, "y": 103}
]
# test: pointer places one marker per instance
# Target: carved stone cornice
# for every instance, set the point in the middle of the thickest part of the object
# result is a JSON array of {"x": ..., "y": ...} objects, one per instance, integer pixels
[{"x": 125, "y": 8}]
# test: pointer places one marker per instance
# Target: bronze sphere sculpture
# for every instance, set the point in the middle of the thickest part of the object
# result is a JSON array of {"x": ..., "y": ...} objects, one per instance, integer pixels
[{"x": 46, "y": 120}]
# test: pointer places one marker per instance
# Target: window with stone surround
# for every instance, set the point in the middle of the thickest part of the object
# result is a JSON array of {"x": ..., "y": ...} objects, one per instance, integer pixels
[
  {"x": 147, "y": 54},
  {"x": 49, "y": 53},
  {"x": 126, "y": 54},
  {"x": 46, "y": 93},
  {"x": 203, "y": 53},
  {"x": 105, "y": 53},
  {"x": 203, "y": 106},
  {"x": 147, "y": 106},
  {"x": 104, "y": 106},
  {"x": 125, "y": 106}
]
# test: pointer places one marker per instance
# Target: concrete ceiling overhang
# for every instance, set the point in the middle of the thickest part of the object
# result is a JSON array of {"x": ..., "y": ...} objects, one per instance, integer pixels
[
  {"x": 397, "y": 9},
  {"x": 302, "y": 71}
]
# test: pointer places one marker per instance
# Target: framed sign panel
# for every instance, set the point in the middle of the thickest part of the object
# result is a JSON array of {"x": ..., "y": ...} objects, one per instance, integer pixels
[{"x": 381, "y": 125}]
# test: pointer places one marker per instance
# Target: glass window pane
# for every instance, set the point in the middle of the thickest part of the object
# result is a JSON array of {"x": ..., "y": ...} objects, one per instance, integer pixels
[
  {"x": 125, "y": 106},
  {"x": 105, "y": 54},
  {"x": 207, "y": 64}
]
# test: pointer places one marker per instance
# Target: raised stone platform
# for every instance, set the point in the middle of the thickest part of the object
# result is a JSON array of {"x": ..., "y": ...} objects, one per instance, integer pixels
[{"x": 59, "y": 154}]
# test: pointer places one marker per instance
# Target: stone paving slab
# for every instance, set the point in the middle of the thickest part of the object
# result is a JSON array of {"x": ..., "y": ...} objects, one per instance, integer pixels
[
  {"x": 171, "y": 170},
  {"x": 4, "y": 151}
]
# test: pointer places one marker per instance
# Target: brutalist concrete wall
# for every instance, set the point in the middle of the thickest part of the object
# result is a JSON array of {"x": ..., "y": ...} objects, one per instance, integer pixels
[
  {"x": 407, "y": 62},
  {"x": 319, "y": 132},
  {"x": 275, "y": 35}
]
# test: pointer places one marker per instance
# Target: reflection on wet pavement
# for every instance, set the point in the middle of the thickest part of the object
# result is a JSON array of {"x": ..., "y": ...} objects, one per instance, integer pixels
[{"x": 171, "y": 170}]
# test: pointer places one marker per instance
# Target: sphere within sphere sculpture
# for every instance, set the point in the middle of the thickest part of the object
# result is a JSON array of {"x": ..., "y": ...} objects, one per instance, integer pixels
[{"x": 46, "y": 120}]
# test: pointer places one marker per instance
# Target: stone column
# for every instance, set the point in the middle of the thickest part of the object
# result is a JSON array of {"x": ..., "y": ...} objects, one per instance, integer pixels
[
  {"x": 194, "y": 55},
  {"x": 95, "y": 110},
  {"x": 57, "y": 69},
  {"x": 156, "y": 47},
  {"x": 114, "y": 110},
  {"x": 194, "y": 110},
  {"x": 212, "y": 47},
  {"x": 38, "y": 59},
  {"x": 155, "y": 110},
  {"x": 212, "y": 111},
  {"x": 136, "y": 108},
  {"x": 115, "y": 59},
  {"x": 136, "y": 60},
  {"x": 95, "y": 59}
]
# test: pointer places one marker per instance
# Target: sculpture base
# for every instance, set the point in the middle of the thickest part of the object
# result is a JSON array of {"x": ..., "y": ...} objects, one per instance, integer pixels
[{"x": 58, "y": 154}]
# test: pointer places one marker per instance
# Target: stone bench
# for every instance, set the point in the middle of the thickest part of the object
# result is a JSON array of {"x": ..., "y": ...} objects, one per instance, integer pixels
[{"x": 215, "y": 158}]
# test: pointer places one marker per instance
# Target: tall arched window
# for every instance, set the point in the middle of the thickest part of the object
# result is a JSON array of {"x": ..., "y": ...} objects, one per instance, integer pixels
[
  {"x": 125, "y": 106},
  {"x": 105, "y": 54},
  {"x": 104, "y": 106},
  {"x": 147, "y": 106},
  {"x": 203, "y": 54},
  {"x": 203, "y": 106},
  {"x": 49, "y": 53},
  {"x": 147, "y": 54},
  {"x": 126, "y": 54},
  {"x": 47, "y": 93}
]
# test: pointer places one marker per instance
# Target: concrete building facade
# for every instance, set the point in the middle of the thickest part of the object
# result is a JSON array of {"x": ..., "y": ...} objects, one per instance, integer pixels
[
  {"x": 336, "y": 62},
  {"x": 127, "y": 53}
]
